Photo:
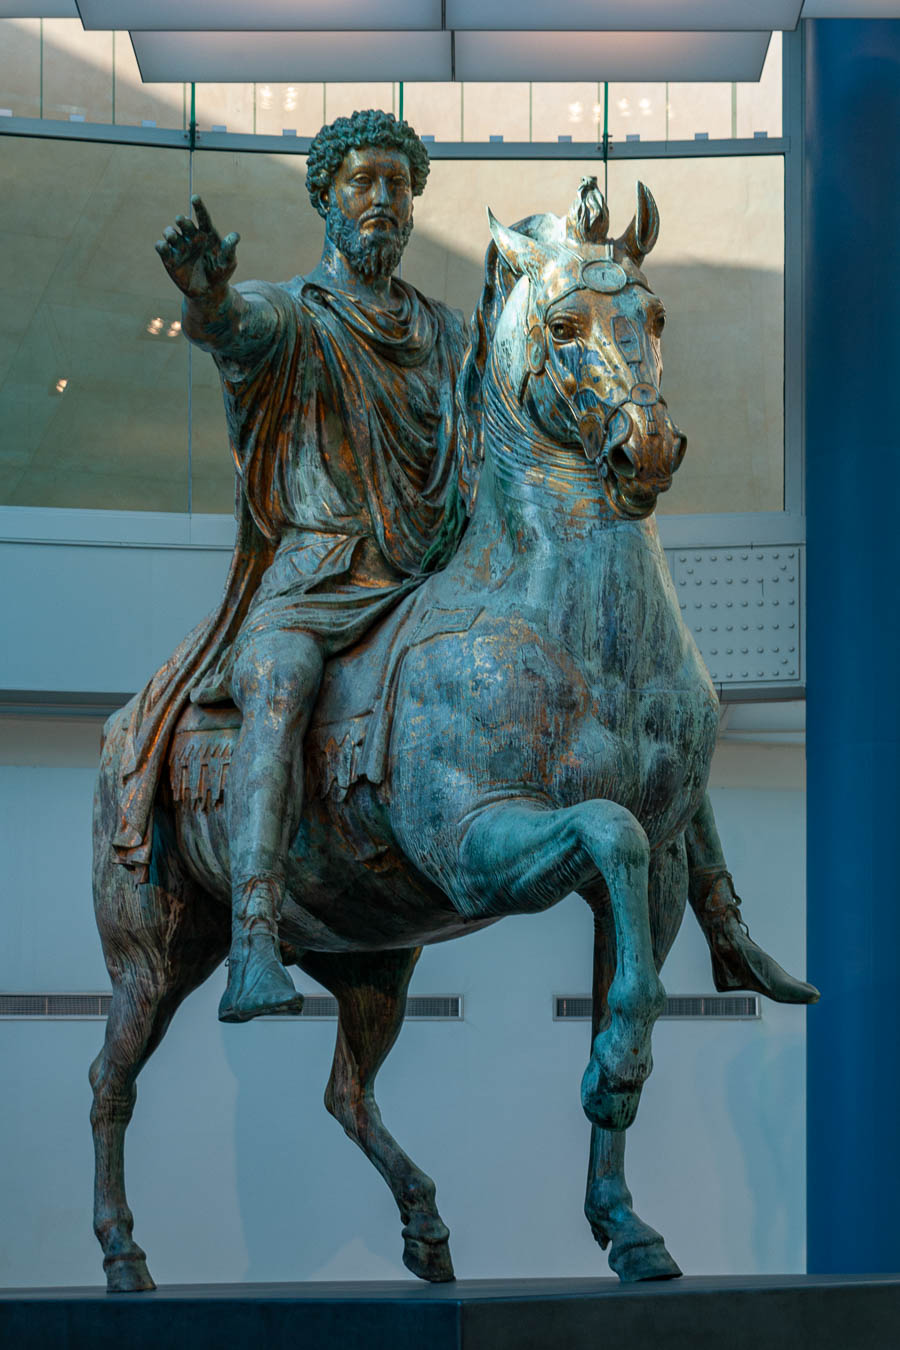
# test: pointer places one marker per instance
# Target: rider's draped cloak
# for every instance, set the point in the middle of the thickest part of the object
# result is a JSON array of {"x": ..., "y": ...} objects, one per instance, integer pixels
[{"x": 341, "y": 425}]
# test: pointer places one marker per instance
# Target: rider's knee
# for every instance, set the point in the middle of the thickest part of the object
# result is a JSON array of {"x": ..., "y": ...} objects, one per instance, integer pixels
[{"x": 281, "y": 673}]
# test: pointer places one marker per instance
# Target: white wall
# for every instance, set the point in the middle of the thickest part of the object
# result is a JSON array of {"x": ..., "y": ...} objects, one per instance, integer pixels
[{"x": 237, "y": 1173}]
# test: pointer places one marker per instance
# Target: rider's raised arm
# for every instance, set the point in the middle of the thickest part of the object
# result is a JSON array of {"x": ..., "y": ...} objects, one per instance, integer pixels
[{"x": 233, "y": 324}]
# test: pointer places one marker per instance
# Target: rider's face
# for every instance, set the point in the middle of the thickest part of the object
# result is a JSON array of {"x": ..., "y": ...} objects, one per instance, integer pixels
[{"x": 373, "y": 188}]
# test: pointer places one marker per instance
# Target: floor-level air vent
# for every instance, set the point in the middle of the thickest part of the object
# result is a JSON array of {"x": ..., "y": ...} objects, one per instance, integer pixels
[
  {"x": 739, "y": 1007},
  {"x": 421, "y": 1007},
  {"x": 19, "y": 1006}
]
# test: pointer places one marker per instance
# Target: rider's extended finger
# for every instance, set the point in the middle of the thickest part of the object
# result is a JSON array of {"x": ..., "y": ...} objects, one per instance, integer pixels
[
  {"x": 203, "y": 217},
  {"x": 230, "y": 243},
  {"x": 172, "y": 237}
]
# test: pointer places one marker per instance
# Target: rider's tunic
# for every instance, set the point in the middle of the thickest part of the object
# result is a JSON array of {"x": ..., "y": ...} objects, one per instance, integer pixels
[{"x": 341, "y": 425}]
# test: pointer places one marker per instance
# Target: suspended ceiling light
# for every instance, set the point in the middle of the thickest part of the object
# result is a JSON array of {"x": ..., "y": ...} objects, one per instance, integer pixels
[
  {"x": 321, "y": 15},
  {"x": 475, "y": 15},
  {"x": 262, "y": 15},
  {"x": 223, "y": 58}
]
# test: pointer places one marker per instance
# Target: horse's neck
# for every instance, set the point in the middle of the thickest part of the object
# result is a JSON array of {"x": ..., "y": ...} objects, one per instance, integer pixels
[{"x": 544, "y": 535}]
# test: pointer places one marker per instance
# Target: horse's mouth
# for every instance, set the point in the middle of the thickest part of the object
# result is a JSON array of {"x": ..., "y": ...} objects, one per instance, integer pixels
[{"x": 630, "y": 500}]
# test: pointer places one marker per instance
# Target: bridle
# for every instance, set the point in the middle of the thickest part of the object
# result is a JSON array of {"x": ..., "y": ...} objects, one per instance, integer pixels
[{"x": 602, "y": 427}]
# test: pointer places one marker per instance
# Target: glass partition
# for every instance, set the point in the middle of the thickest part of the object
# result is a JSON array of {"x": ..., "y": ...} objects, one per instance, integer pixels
[
  {"x": 101, "y": 403},
  {"x": 52, "y": 68},
  {"x": 93, "y": 369}
]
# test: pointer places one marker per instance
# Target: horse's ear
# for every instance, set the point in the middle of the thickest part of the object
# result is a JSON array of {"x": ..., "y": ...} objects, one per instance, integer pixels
[
  {"x": 643, "y": 232},
  {"x": 525, "y": 256}
]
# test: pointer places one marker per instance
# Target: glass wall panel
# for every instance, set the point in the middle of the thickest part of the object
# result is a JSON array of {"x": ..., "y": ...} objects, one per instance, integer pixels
[
  {"x": 434, "y": 110},
  {"x": 225, "y": 107},
  {"x": 289, "y": 107},
  {"x": 20, "y": 68},
  {"x": 491, "y": 110},
  {"x": 136, "y": 104},
  {"x": 566, "y": 111},
  {"x": 638, "y": 111},
  {"x": 758, "y": 106},
  {"x": 718, "y": 267},
  {"x": 343, "y": 99},
  {"x": 93, "y": 368},
  {"x": 77, "y": 72}
]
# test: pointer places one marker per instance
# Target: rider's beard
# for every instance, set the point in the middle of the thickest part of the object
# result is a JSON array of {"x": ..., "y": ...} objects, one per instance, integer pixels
[{"x": 373, "y": 256}]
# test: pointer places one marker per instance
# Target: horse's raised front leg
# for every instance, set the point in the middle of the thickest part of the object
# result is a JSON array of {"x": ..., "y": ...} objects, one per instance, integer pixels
[
  {"x": 370, "y": 988},
  {"x": 637, "y": 1251},
  {"x": 517, "y": 857},
  {"x": 157, "y": 950}
]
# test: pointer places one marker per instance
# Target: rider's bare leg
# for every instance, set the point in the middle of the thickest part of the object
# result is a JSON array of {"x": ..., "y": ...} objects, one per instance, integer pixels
[
  {"x": 737, "y": 962},
  {"x": 275, "y": 683}
]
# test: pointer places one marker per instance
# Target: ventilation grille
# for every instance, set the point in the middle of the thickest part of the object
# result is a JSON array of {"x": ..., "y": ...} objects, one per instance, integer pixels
[
  {"x": 55, "y": 1005},
  {"x": 740, "y": 1007},
  {"x": 422, "y": 1008},
  {"x": 321, "y": 1007}
]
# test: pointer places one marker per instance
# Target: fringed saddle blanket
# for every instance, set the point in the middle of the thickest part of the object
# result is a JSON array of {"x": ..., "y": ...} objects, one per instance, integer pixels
[{"x": 349, "y": 735}]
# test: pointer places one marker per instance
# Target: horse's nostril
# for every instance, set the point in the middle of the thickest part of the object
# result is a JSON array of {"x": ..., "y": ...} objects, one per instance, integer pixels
[
  {"x": 622, "y": 463},
  {"x": 678, "y": 450}
]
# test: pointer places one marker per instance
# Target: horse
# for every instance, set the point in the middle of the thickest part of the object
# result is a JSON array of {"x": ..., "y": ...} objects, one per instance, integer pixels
[{"x": 545, "y": 725}]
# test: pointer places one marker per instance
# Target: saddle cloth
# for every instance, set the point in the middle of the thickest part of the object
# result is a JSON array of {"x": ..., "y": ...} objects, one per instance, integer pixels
[{"x": 350, "y": 730}]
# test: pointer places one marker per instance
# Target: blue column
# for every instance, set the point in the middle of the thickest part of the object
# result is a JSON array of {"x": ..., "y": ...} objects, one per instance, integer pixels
[{"x": 852, "y": 399}]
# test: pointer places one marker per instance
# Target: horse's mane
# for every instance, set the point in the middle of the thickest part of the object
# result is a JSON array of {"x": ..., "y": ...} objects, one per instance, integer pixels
[{"x": 499, "y": 280}]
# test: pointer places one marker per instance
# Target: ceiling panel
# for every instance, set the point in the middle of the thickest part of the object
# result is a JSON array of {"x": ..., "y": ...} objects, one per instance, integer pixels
[
  {"x": 261, "y": 15},
  {"x": 226, "y": 58},
  {"x": 629, "y": 15},
  {"x": 851, "y": 9},
  {"x": 38, "y": 9},
  {"x": 638, "y": 57}
]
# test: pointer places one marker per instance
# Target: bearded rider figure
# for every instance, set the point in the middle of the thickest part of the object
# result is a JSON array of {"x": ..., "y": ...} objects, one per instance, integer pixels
[{"x": 339, "y": 397}]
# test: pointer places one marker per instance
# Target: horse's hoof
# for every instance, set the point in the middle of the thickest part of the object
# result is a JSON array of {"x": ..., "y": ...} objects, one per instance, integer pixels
[
  {"x": 650, "y": 1261},
  {"x": 429, "y": 1260},
  {"x": 127, "y": 1274}
]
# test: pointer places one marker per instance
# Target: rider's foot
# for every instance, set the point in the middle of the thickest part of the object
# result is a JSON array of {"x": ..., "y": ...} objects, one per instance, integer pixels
[
  {"x": 257, "y": 981},
  {"x": 737, "y": 961}
]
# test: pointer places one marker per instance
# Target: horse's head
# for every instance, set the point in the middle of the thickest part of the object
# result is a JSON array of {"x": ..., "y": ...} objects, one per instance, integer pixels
[{"x": 577, "y": 345}]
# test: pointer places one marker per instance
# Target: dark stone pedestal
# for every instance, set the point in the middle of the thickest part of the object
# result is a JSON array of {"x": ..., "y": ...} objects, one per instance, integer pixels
[{"x": 789, "y": 1312}]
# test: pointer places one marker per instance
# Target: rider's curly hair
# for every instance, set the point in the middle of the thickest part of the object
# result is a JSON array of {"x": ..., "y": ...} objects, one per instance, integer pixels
[{"x": 330, "y": 146}]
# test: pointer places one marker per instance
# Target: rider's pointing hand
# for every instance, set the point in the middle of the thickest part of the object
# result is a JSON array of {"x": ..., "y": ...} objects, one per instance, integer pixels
[{"x": 195, "y": 257}]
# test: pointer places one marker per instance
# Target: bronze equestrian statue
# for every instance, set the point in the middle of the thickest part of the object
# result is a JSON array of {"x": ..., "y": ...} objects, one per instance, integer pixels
[{"x": 363, "y": 755}]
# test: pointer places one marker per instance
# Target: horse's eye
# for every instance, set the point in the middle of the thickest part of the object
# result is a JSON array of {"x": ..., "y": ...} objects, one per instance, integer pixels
[
  {"x": 562, "y": 330},
  {"x": 659, "y": 322}
]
